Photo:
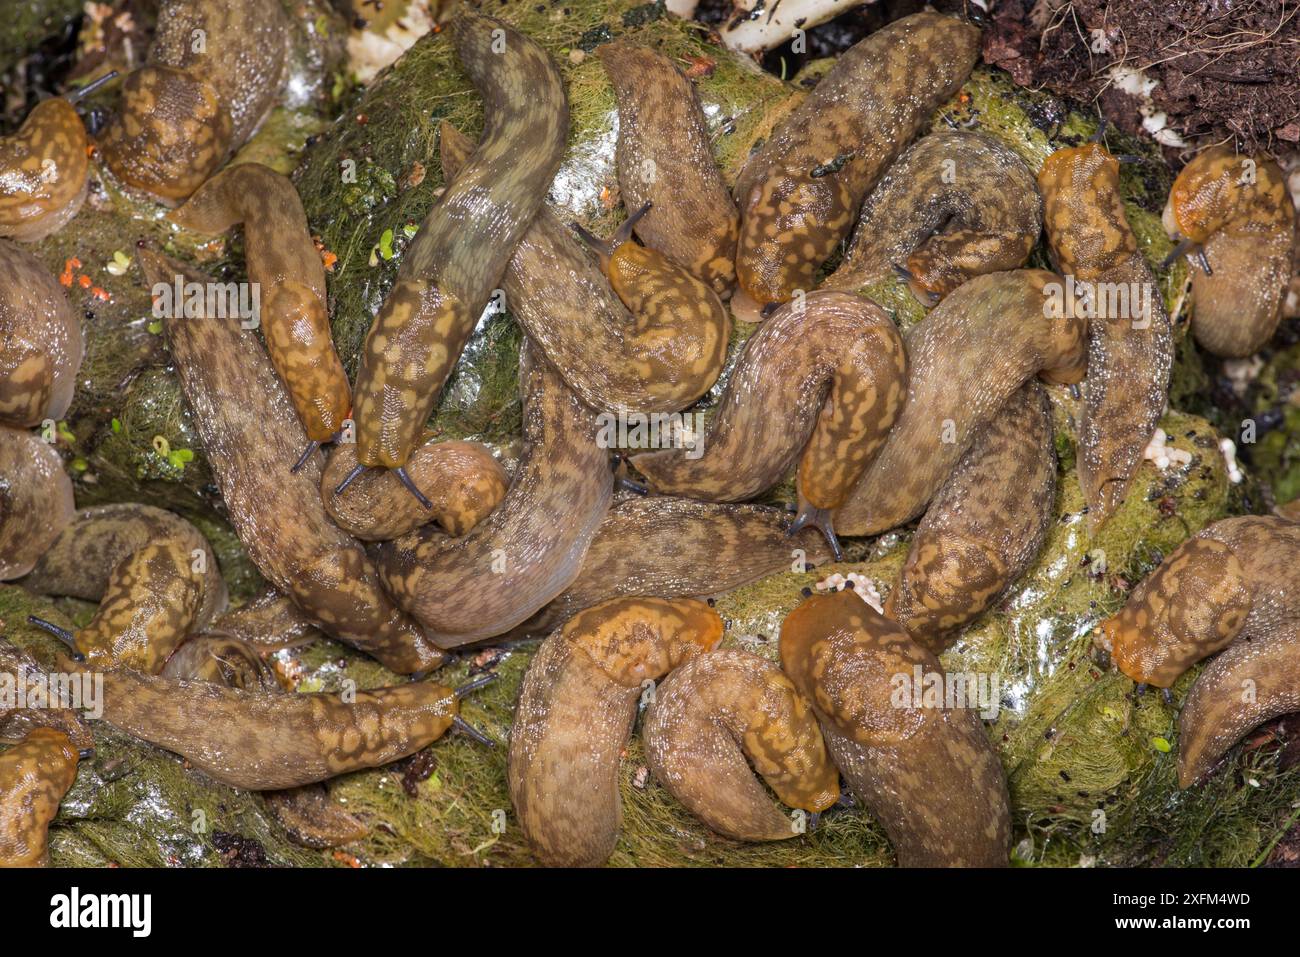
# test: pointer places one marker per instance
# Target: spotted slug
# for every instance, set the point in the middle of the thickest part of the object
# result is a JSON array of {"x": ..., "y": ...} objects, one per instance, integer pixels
[
  {"x": 654, "y": 354},
  {"x": 269, "y": 621},
  {"x": 967, "y": 357},
  {"x": 45, "y": 168},
  {"x": 34, "y": 777},
  {"x": 213, "y": 72},
  {"x": 221, "y": 660},
  {"x": 954, "y": 206},
  {"x": 1237, "y": 212},
  {"x": 464, "y": 480},
  {"x": 717, "y": 714},
  {"x": 928, "y": 774},
  {"x": 1130, "y": 341},
  {"x": 799, "y": 193},
  {"x": 285, "y": 265},
  {"x": 984, "y": 527},
  {"x": 278, "y": 515},
  {"x": 531, "y": 546},
  {"x": 679, "y": 547},
  {"x": 41, "y": 344},
  {"x": 822, "y": 381},
  {"x": 35, "y": 501},
  {"x": 1233, "y": 580},
  {"x": 665, "y": 162},
  {"x": 575, "y": 714},
  {"x": 461, "y": 251}
]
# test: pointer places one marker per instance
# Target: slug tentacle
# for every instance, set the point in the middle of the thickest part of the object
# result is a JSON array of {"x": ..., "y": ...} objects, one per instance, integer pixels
[
  {"x": 1236, "y": 214},
  {"x": 35, "y": 501},
  {"x": 34, "y": 777},
  {"x": 954, "y": 206},
  {"x": 445, "y": 281},
  {"x": 575, "y": 714},
  {"x": 967, "y": 358},
  {"x": 799, "y": 194},
  {"x": 713, "y": 716},
  {"x": 1131, "y": 348},
  {"x": 926, "y": 771}
]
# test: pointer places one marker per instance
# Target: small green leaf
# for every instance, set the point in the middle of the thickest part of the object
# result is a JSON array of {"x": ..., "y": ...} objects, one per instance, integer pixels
[
  {"x": 386, "y": 244},
  {"x": 155, "y": 327},
  {"x": 1161, "y": 745},
  {"x": 80, "y": 465},
  {"x": 115, "y": 425}
]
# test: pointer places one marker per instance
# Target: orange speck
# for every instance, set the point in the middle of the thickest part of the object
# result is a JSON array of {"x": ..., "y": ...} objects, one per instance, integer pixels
[
  {"x": 83, "y": 281},
  {"x": 100, "y": 294},
  {"x": 345, "y": 858},
  {"x": 66, "y": 279}
]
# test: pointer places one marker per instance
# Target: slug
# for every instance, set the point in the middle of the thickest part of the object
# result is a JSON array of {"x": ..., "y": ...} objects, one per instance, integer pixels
[
  {"x": 1250, "y": 683},
  {"x": 279, "y": 516},
  {"x": 575, "y": 714},
  {"x": 1130, "y": 341},
  {"x": 41, "y": 344},
  {"x": 928, "y": 774},
  {"x": 34, "y": 776},
  {"x": 799, "y": 193},
  {"x": 1237, "y": 213},
  {"x": 221, "y": 660},
  {"x": 213, "y": 72},
  {"x": 679, "y": 547},
  {"x": 461, "y": 251},
  {"x": 45, "y": 168},
  {"x": 659, "y": 357},
  {"x": 531, "y": 546},
  {"x": 665, "y": 162},
  {"x": 268, "y": 621},
  {"x": 984, "y": 527},
  {"x": 967, "y": 357},
  {"x": 954, "y": 206},
  {"x": 465, "y": 484},
  {"x": 714, "y": 716},
  {"x": 823, "y": 380},
  {"x": 284, "y": 263},
  {"x": 18, "y": 669},
  {"x": 35, "y": 501},
  {"x": 1234, "y": 579}
]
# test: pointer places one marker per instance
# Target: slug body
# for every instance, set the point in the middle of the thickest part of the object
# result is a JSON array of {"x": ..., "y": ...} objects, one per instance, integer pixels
[
  {"x": 269, "y": 621},
  {"x": 41, "y": 344},
  {"x": 799, "y": 194},
  {"x": 967, "y": 358},
  {"x": 279, "y": 516},
  {"x": 1130, "y": 347},
  {"x": 34, "y": 776},
  {"x": 220, "y": 660},
  {"x": 35, "y": 501},
  {"x": 44, "y": 172},
  {"x": 984, "y": 527},
  {"x": 1238, "y": 210},
  {"x": 714, "y": 716},
  {"x": 655, "y": 345},
  {"x": 461, "y": 251},
  {"x": 575, "y": 714},
  {"x": 928, "y": 773},
  {"x": 213, "y": 72},
  {"x": 1233, "y": 580},
  {"x": 954, "y": 206},
  {"x": 665, "y": 160},
  {"x": 284, "y": 263},
  {"x": 823, "y": 381}
]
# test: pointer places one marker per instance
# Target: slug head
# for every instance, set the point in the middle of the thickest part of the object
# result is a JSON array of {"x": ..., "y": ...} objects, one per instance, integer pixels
[
  {"x": 635, "y": 639},
  {"x": 44, "y": 169},
  {"x": 301, "y": 346},
  {"x": 1206, "y": 194}
]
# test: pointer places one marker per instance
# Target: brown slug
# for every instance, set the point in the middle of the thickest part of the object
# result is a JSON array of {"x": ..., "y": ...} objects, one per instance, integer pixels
[
  {"x": 656, "y": 353},
  {"x": 666, "y": 165},
  {"x": 19, "y": 670},
  {"x": 1237, "y": 214},
  {"x": 269, "y": 621},
  {"x": 714, "y": 716},
  {"x": 464, "y": 480},
  {"x": 1232, "y": 580},
  {"x": 35, "y": 501},
  {"x": 531, "y": 546},
  {"x": 461, "y": 251},
  {"x": 822, "y": 381},
  {"x": 955, "y": 205},
  {"x": 279, "y": 516},
  {"x": 41, "y": 344},
  {"x": 575, "y": 714},
  {"x": 984, "y": 527},
  {"x": 34, "y": 777},
  {"x": 967, "y": 358},
  {"x": 927, "y": 773},
  {"x": 213, "y": 72},
  {"x": 799, "y": 193},
  {"x": 284, "y": 263},
  {"x": 1130, "y": 341},
  {"x": 222, "y": 660}
]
